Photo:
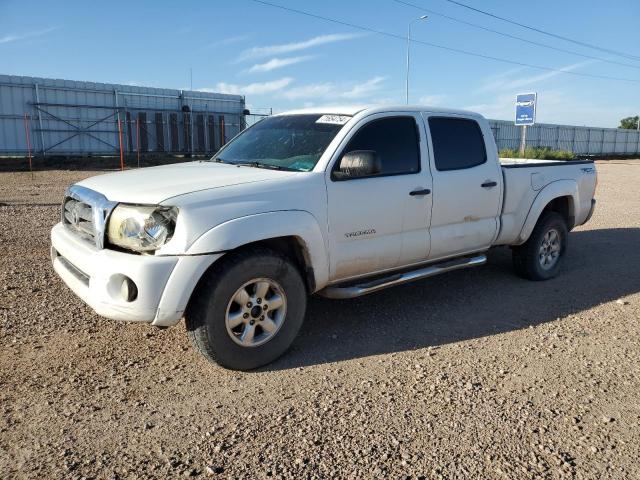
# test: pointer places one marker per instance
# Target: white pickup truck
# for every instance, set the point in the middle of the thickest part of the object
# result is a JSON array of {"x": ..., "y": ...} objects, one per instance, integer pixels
[{"x": 338, "y": 203}]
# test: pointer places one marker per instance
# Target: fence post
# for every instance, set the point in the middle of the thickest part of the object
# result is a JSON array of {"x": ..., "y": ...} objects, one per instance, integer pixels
[
  {"x": 169, "y": 147},
  {"x": 573, "y": 142},
  {"x": 626, "y": 141},
  {"x": 120, "y": 140},
  {"x": 138, "y": 139},
  {"x": 494, "y": 132},
  {"x": 28, "y": 138},
  {"x": 205, "y": 126},
  {"x": 222, "y": 131},
  {"x": 615, "y": 142},
  {"x": 115, "y": 102},
  {"x": 191, "y": 129},
  {"x": 44, "y": 152}
]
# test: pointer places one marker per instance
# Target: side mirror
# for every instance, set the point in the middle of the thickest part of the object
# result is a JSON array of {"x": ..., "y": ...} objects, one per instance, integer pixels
[{"x": 358, "y": 164}]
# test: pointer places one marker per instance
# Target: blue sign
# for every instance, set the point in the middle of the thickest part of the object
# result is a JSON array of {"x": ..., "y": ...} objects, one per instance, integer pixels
[{"x": 526, "y": 109}]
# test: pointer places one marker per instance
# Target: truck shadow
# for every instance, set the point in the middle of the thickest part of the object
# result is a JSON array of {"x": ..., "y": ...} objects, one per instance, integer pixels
[{"x": 601, "y": 266}]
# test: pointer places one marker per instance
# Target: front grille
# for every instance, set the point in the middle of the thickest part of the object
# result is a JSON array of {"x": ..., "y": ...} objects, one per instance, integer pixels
[
  {"x": 78, "y": 217},
  {"x": 85, "y": 213}
]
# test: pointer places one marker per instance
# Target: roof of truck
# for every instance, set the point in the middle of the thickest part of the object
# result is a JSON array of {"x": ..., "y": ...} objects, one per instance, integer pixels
[{"x": 355, "y": 109}]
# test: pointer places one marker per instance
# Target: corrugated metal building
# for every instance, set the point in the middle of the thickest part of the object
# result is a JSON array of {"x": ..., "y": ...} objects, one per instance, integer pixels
[
  {"x": 67, "y": 117},
  {"x": 579, "y": 140}
]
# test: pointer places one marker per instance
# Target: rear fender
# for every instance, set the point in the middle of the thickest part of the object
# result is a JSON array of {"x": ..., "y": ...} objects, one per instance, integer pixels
[{"x": 559, "y": 188}]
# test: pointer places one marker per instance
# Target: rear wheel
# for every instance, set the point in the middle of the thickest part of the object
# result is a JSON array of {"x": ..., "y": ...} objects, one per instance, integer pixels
[
  {"x": 540, "y": 257},
  {"x": 247, "y": 310}
]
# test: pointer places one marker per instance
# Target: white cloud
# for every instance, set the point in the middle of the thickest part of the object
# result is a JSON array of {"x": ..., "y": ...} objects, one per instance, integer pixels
[
  {"x": 501, "y": 107},
  {"x": 259, "y": 88},
  {"x": 364, "y": 89},
  {"x": 547, "y": 75},
  {"x": 517, "y": 78},
  {"x": 499, "y": 92},
  {"x": 552, "y": 108},
  {"x": 433, "y": 100},
  {"x": 228, "y": 41},
  {"x": 312, "y": 90},
  {"x": 496, "y": 81},
  {"x": 276, "y": 63},
  {"x": 555, "y": 105},
  {"x": 310, "y": 93},
  {"x": 15, "y": 38},
  {"x": 332, "y": 91},
  {"x": 271, "y": 50}
]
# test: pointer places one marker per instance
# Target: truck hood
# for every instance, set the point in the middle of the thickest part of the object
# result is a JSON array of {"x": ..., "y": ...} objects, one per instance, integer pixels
[{"x": 153, "y": 185}]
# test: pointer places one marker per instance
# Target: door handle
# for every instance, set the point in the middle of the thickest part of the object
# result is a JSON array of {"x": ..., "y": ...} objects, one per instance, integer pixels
[
  {"x": 489, "y": 184},
  {"x": 424, "y": 191}
]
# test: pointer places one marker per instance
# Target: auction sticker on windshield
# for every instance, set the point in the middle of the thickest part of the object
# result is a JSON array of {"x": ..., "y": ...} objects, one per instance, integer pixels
[{"x": 334, "y": 119}]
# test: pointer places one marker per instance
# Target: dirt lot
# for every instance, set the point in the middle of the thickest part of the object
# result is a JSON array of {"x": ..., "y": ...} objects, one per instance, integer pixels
[{"x": 474, "y": 374}]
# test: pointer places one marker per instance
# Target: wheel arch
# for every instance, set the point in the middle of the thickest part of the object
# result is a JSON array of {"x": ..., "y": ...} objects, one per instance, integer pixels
[
  {"x": 291, "y": 246},
  {"x": 565, "y": 207},
  {"x": 560, "y": 196},
  {"x": 294, "y": 233}
]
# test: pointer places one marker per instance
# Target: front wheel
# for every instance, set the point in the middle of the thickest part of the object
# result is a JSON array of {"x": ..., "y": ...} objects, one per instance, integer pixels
[
  {"x": 247, "y": 310},
  {"x": 540, "y": 257}
]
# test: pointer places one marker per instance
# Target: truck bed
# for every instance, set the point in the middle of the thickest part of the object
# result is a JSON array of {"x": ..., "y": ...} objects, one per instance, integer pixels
[
  {"x": 524, "y": 178},
  {"x": 534, "y": 162}
]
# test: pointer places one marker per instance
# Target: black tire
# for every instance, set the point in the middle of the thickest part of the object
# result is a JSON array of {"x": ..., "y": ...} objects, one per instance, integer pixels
[
  {"x": 526, "y": 257},
  {"x": 206, "y": 313}
]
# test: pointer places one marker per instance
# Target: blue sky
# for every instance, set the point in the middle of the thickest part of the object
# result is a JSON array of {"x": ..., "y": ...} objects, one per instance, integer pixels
[{"x": 283, "y": 60}]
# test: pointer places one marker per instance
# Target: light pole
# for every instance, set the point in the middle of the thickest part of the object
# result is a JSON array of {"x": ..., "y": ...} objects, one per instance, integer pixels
[{"x": 423, "y": 17}]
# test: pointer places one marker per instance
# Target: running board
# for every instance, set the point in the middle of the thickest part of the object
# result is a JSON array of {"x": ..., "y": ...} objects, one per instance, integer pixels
[{"x": 358, "y": 290}]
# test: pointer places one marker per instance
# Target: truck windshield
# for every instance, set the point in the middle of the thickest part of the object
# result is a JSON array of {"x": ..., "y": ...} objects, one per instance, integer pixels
[{"x": 287, "y": 142}]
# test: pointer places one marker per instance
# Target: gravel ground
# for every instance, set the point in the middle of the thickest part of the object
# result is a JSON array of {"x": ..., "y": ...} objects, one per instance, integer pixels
[{"x": 474, "y": 374}]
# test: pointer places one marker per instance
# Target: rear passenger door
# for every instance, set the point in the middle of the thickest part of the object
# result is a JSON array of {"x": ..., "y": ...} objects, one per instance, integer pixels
[
  {"x": 381, "y": 221},
  {"x": 467, "y": 186}
]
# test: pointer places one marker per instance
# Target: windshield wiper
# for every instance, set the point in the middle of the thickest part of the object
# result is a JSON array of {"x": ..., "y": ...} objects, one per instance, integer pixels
[
  {"x": 263, "y": 165},
  {"x": 219, "y": 160},
  {"x": 252, "y": 164}
]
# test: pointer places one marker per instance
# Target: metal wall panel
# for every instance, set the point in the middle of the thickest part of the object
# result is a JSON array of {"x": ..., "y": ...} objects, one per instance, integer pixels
[
  {"x": 68, "y": 117},
  {"x": 211, "y": 130},
  {"x": 579, "y": 140},
  {"x": 159, "y": 129},
  {"x": 596, "y": 140},
  {"x": 582, "y": 141}
]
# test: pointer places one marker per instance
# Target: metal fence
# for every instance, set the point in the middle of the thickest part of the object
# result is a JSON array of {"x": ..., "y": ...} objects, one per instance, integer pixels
[
  {"x": 65, "y": 117},
  {"x": 256, "y": 115},
  {"x": 579, "y": 140}
]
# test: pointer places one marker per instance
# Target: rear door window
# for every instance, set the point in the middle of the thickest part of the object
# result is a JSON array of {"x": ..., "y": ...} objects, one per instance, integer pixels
[{"x": 457, "y": 143}]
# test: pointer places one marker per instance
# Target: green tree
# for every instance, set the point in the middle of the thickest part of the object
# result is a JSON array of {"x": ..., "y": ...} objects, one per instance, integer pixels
[{"x": 629, "y": 123}]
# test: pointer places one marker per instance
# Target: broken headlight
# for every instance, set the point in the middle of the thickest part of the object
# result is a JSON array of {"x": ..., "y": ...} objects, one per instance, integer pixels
[{"x": 141, "y": 228}]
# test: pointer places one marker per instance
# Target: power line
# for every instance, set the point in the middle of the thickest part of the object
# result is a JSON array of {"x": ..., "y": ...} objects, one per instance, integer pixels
[
  {"x": 442, "y": 47},
  {"x": 538, "y": 30},
  {"x": 515, "y": 37}
]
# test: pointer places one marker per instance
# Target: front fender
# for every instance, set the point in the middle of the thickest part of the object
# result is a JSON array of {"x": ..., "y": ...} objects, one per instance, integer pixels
[
  {"x": 253, "y": 228},
  {"x": 559, "y": 188}
]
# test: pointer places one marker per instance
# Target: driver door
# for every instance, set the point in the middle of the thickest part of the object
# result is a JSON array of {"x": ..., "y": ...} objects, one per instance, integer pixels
[{"x": 380, "y": 221}]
